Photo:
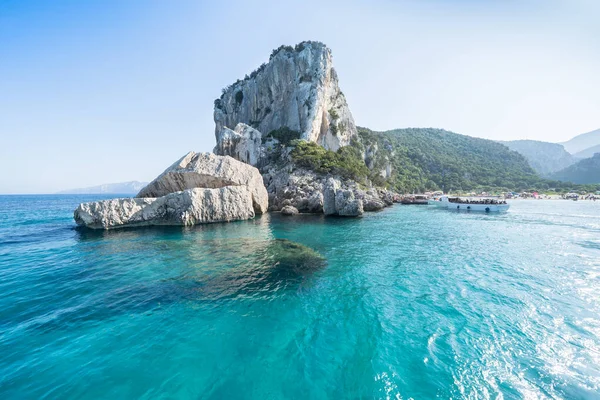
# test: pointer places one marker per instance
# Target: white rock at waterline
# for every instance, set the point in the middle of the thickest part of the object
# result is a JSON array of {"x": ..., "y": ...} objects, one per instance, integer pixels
[{"x": 188, "y": 207}]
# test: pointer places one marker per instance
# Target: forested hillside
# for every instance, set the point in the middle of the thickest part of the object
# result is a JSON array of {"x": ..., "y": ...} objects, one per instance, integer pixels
[
  {"x": 419, "y": 160},
  {"x": 545, "y": 158},
  {"x": 585, "y": 171},
  {"x": 426, "y": 159}
]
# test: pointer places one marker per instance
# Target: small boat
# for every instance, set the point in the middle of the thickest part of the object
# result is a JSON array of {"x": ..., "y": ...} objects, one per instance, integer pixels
[
  {"x": 436, "y": 201},
  {"x": 482, "y": 204},
  {"x": 416, "y": 199}
]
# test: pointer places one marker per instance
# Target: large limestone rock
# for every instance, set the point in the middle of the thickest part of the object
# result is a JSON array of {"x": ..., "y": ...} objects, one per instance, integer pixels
[
  {"x": 197, "y": 189},
  {"x": 347, "y": 205},
  {"x": 329, "y": 190},
  {"x": 188, "y": 207},
  {"x": 207, "y": 170},
  {"x": 338, "y": 201},
  {"x": 298, "y": 88},
  {"x": 244, "y": 143}
]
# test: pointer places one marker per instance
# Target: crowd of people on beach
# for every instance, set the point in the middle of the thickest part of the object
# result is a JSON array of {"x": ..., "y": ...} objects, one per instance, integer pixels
[{"x": 576, "y": 196}]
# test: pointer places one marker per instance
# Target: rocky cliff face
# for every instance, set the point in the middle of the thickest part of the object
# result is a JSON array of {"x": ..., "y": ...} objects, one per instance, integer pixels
[
  {"x": 298, "y": 89},
  {"x": 294, "y": 96},
  {"x": 244, "y": 143}
]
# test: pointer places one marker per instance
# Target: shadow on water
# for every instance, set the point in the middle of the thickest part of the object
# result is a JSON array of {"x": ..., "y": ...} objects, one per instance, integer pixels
[{"x": 206, "y": 270}]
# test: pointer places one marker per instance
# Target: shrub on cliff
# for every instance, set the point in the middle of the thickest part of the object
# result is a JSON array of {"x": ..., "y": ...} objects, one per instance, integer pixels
[
  {"x": 346, "y": 162},
  {"x": 284, "y": 135}
]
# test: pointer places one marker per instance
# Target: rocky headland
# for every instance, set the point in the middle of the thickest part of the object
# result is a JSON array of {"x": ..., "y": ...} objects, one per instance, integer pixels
[
  {"x": 285, "y": 141},
  {"x": 263, "y": 119},
  {"x": 296, "y": 90}
]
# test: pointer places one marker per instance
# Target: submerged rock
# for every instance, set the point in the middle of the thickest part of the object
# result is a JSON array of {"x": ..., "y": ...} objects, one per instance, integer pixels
[
  {"x": 248, "y": 267},
  {"x": 207, "y": 170},
  {"x": 298, "y": 89},
  {"x": 292, "y": 257},
  {"x": 188, "y": 207}
]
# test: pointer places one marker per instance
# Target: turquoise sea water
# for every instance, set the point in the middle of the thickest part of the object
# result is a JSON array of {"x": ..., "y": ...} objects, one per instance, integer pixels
[{"x": 411, "y": 302}]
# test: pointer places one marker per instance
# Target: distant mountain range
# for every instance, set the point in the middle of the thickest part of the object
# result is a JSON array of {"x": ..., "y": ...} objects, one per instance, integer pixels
[
  {"x": 132, "y": 187},
  {"x": 582, "y": 142},
  {"x": 589, "y": 152},
  {"x": 570, "y": 161}
]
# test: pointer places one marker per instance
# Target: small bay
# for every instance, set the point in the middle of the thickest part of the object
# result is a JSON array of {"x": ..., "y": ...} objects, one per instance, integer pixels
[{"x": 410, "y": 302}]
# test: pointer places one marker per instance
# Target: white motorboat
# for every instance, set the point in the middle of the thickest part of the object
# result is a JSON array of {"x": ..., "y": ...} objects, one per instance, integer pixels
[{"x": 482, "y": 204}]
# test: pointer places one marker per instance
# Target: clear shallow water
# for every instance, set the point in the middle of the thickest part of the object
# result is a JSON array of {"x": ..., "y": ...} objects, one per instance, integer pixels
[{"x": 408, "y": 302}]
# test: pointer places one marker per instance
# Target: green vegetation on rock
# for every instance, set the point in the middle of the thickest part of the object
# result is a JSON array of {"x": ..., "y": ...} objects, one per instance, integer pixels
[
  {"x": 420, "y": 160},
  {"x": 346, "y": 162}
]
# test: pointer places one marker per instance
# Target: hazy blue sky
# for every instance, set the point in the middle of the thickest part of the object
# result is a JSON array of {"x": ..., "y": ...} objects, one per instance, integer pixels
[{"x": 105, "y": 91}]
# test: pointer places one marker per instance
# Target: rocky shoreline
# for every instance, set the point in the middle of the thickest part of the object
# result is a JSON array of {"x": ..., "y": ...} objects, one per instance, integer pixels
[{"x": 310, "y": 193}]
